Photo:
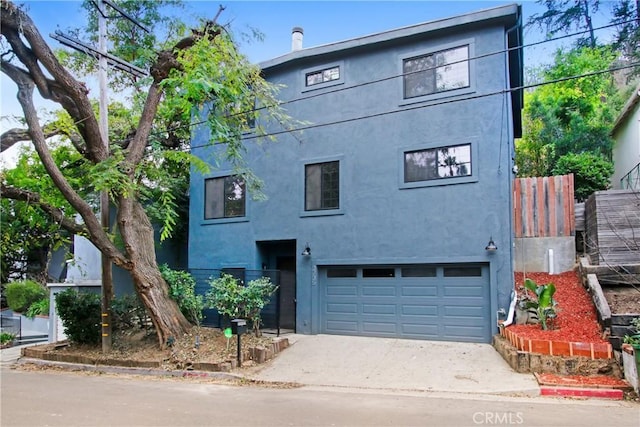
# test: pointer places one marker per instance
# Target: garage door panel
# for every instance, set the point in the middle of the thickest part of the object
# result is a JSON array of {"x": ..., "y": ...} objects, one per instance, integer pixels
[
  {"x": 420, "y": 291},
  {"x": 379, "y": 309},
  {"x": 341, "y": 326},
  {"x": 379, "y": 327},
  {"x": 419, "y": 310},
  {"x": 461, "y": 290},
  {"x": 475, "y": 312},
  {"x": 342, "y": 308},
  {"x": 338, "y": 289},
  {"x": 386, "y": 291},
  {"x": 444, "y": 307},
  {"x": 420, "y": 330}
]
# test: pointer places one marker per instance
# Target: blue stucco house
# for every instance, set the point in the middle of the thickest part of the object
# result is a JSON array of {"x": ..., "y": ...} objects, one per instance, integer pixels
[{"x": 390, "y": 215}]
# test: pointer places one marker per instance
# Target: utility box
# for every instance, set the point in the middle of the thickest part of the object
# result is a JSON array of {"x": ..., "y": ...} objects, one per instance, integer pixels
[{"x": 238, "y": 326}]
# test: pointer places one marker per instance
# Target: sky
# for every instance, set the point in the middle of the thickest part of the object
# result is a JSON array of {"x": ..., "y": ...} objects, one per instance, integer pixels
[{"x": 323, "y": 22}]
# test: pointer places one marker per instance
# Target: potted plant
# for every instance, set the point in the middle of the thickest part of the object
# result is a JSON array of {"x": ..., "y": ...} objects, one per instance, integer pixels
[
  {"x": 631, "y": 354},
  {"x": 543, "y": 305}
]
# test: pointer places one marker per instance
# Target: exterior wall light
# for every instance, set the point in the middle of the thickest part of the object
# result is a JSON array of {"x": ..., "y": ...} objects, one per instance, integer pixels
[
  {"x": 307, "y": 250},
  {"x": 491, "y": 246}
]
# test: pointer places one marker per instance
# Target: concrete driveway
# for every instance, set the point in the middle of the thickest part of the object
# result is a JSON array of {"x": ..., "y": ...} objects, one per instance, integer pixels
[{"x": 395, "y": 364}]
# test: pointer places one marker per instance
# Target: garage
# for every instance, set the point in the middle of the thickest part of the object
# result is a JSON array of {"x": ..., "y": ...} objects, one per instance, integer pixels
[{"x": 448, "y": 302}]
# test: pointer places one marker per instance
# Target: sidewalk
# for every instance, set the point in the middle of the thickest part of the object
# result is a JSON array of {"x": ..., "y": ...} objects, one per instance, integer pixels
[{"x": 394, "y": 364}]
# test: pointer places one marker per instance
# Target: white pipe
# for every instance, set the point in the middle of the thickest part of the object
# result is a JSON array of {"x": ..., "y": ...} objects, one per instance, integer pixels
[
  {"x": 551, "y": 269},
  {"x": 512, "y": 309}
]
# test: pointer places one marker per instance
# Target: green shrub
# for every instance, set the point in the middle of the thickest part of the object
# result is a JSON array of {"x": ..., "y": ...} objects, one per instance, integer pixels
[
  {"x": 20, "y": 295},
  {"x": 591, "y": 172},
  {"x": 182, "y": 289},
  {"x": 128, "y": 312},
  {"x": 38, "y": 308},
  {"x": 80, "y": 313},
  {"x": 6, "y": 338},
  {"x": 232, "y": 299}
]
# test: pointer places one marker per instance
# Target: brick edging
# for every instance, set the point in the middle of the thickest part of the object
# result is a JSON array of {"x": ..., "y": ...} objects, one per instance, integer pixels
[
  {"x": 558, "y": 348},
  {"x": 259, "y": 354}
]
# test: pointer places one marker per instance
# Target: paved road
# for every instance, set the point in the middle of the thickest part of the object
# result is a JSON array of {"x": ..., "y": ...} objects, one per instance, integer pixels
[{"x": 52, "y": 398}]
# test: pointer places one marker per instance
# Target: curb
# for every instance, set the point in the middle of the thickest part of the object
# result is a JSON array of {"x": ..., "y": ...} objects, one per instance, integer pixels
[
  {"x": 597, "y": 393},
  {"x": 132, "y": 371}
]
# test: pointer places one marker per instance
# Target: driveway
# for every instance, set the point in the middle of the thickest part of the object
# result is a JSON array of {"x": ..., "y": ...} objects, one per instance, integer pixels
[{"x": 395, "y": 364}]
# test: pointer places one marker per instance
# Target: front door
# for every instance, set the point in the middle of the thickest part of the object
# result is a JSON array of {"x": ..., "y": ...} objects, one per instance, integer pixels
[{"x": 287, "y": 267}]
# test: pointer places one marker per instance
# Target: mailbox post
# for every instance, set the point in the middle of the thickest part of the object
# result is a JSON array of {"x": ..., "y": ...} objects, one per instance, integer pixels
[{"x": 239, "y": 327}]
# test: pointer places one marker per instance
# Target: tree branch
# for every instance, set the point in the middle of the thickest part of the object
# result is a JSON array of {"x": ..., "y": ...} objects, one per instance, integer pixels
[
  {"x": 17, "y": 27},
  {"x": 57, "y": 214},
  {"x": 15, "y": 135}
]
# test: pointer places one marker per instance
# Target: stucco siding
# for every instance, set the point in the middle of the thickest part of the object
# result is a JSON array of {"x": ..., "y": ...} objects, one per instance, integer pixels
[
  {"x": 367, "y": 128},
  {"x": 626, "y": 150}
]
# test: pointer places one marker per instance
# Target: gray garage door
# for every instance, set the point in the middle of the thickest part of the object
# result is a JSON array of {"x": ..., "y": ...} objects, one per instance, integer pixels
[{"x": 436, "y": 302}]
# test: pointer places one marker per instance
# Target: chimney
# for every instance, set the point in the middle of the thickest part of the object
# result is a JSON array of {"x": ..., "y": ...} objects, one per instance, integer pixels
[{"x": 296, "y": 38}]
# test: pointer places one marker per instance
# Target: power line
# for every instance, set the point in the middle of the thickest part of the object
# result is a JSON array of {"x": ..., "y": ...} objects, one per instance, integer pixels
[
  {"x": 336, "y": 90},
  {"x": 417, "y": 107},
  {"x": 486, "y": 55}
]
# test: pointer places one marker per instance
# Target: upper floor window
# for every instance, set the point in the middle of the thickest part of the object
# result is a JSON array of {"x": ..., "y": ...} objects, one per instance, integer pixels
[
  {"x": 436, "y": 72},
  {"x": 322, "y": 186},
  {"x": 224, "y": 197},
  {"x": 323, "y": 76},
  {"x": 437, "y": 163}
]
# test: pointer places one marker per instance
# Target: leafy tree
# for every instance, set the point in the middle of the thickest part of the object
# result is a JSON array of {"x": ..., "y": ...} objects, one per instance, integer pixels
[
  {"x": 626, "y": 14},
  {"x": 186, "y": 74},
  {"x": 565, "y": 16},
  {"x": 590, "y": 171},
  {"x": 570, "y": 116},
  {"x": 28, "y": 233}
]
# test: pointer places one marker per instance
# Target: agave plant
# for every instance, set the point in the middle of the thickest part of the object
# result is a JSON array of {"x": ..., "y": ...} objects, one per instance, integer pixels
[{"x": 544, "y": 304}]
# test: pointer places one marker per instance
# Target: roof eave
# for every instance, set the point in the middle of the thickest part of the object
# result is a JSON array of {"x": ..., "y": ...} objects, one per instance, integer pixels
[
  {"x": 509, "y": 13},
  {"x": 626, "y": 110}
]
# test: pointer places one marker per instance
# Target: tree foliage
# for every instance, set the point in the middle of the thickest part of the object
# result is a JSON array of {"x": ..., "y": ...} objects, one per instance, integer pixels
[
  {"x": 189, "y": 74},
  {"x": 564, "y": 16},
  {"x": 570, "y": 116},
  {"x": 234, "y": 299},
  {"x": 591, "y": 172}
]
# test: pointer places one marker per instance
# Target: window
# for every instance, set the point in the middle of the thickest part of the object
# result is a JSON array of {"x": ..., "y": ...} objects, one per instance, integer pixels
[
  {"x": 418, "y": 271},
  {"x": 341, "y": 272},
  {"x": 378, "y": 272},
  {"x": 462, "y": 272},
  {"x": 437, "y": 163},
  {"x": 436, "y": 72},
  {"x": 224, "y": 197},
  {"x": 323, "y": 76},
  {"x": 322, "y": 186}
]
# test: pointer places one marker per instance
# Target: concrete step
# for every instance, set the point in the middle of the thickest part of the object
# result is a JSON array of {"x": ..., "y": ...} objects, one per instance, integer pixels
[
  {"x": 577, "y": 386},
  {"x": 593, "y": 393},
  {"x": 31, "y": 339}
]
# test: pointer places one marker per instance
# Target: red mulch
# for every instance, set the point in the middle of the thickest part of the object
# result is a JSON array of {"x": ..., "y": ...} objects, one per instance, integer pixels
[
  {"x": 576, "y": 319},
  {"x": 596, "y": 381}
]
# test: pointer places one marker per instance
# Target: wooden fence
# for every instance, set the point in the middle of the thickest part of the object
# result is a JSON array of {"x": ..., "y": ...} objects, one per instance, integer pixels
[
  {"x": 544, "y": 206},
  {"x": 613, "y": 227}
]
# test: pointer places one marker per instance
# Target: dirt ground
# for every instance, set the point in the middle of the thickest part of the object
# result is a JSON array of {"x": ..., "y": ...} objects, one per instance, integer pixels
[
  {"x": 200, "y": 345},
  {"x": 623, "y": 300}
]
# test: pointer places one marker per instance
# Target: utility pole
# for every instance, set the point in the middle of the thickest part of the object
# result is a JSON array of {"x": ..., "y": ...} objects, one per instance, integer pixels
[
  {"x": 107, "y": 275},
  {"x": 104, "y": 60}
]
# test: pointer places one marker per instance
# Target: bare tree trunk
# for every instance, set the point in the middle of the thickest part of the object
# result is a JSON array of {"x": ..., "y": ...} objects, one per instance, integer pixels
[
  {"x": 137, "y": 234},
  {"x": 587, "y": 18}
]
